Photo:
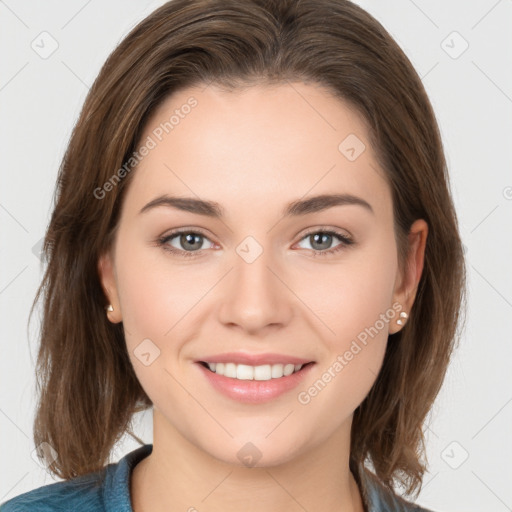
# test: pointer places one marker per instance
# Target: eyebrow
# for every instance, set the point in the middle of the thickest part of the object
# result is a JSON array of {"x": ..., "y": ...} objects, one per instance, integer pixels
[{"x": 295, "y": 208}]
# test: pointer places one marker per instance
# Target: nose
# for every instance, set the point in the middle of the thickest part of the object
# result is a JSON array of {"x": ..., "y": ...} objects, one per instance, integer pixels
[{"x": 255, "y": 297}]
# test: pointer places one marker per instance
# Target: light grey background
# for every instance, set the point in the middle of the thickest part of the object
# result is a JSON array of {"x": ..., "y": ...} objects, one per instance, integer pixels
[{"x": 469, "y": 443}]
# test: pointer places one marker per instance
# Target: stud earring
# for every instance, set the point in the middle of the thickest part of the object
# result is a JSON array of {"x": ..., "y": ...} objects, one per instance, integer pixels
[
  {"x": 403, "y": 315},
  {"x": 110, "y": 307}
]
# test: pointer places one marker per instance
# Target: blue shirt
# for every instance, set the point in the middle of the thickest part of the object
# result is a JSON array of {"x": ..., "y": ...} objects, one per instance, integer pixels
[{"x": 108, "y": 490}]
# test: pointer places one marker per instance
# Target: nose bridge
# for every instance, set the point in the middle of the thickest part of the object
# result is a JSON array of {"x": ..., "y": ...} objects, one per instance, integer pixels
[{"x": 254, "y": 297}]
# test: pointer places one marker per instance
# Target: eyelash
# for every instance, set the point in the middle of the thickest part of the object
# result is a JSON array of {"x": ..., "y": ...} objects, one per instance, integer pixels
[{"x": 162, "y": 242}]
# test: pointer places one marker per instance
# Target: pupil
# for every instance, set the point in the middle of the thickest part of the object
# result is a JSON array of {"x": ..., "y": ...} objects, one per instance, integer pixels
[
  {"x": 320, "y": 236},
  {"x": 188, "y": 240}
]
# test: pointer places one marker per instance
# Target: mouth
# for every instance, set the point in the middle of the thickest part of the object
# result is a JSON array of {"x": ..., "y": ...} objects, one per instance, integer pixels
[
  {"x": 254, "y": 384},
  {"x": 263, "y": 372}
]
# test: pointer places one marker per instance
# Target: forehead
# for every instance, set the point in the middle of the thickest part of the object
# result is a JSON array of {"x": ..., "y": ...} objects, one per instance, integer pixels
[{"x": 257, "y": 147}]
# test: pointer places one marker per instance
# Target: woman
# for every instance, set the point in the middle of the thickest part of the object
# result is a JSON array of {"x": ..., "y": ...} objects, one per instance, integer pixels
[{"x": 254, "y": 235}]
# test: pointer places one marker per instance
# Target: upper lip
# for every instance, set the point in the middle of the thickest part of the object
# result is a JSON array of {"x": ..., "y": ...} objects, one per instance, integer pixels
[{"x": 254, "y": 359}]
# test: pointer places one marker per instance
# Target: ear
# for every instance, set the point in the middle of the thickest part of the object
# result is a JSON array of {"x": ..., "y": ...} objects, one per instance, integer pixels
[
  {"x": 106, "y": 272},
  {"x": 406, "y": 285}
]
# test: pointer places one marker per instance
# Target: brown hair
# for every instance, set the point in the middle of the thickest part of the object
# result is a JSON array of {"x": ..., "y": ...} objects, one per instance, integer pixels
[{"x": 88, "y": 388}]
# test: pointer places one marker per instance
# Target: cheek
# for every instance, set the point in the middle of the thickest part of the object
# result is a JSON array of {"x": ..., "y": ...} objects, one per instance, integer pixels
[
  {"x": 154, "y": 293},
  {"x": 354, "y": 303},
  {"x": 153, "y": 304},
  {"x": 350, "y": 297}
]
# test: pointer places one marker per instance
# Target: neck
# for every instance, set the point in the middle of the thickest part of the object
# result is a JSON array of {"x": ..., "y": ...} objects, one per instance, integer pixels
[{"x": 178, "y": 475}]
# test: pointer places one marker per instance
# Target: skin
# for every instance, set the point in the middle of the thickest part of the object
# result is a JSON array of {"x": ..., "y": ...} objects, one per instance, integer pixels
[{"x": 253, "y": 151}]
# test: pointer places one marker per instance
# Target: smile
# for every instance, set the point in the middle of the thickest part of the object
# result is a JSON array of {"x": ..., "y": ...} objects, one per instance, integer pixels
[
  {"x": 247, "y": 372},
  {"x": 253, "y": 384}
]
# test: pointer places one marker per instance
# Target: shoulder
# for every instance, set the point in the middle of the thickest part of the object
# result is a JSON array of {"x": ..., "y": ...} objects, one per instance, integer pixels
[
  {"x": 379, "y": 498},
  {"x": 107, "y": 490},
  {"x": 81, "y": 493}
]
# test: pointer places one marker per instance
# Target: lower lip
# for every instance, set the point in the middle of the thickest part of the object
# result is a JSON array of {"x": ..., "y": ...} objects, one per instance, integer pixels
[{"x": 255, "y": 391}]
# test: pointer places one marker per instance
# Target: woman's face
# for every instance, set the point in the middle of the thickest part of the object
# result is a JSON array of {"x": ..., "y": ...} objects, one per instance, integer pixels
[{"x": 254, "y": 275}]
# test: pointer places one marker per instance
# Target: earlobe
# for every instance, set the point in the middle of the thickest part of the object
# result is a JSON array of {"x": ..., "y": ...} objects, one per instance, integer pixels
[{"x": 108, "y": 283}]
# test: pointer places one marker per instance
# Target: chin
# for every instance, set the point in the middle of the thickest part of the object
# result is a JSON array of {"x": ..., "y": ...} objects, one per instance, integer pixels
[{"x": 254, "y": 452}]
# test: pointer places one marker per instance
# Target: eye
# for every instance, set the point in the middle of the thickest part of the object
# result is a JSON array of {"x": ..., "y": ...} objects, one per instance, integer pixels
[
  {"x": 188, "y": 243},
  {"x": 183, "y": 242},
  {"x": 321, "y": 242}
]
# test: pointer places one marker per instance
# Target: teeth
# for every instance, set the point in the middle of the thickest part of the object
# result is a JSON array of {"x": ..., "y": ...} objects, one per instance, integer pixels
[
  {"x": 246, "y": 372},
  {"x": 288, "y": 369},
  {"x": 230, "y": 370}
]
